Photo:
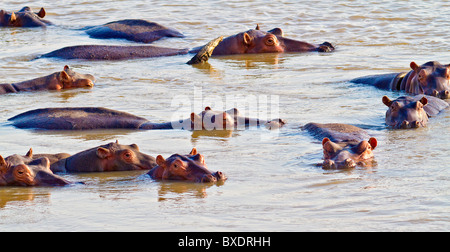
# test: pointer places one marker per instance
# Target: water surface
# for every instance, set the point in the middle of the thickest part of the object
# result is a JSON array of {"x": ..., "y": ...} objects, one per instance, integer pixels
[{"x": 274, "y": 183}]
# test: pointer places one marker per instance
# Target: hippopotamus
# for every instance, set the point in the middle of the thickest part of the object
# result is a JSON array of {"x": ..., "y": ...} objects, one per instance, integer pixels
[
  {"x": 344, "y": 146},
  {"x": 29, "y": 156},
  {"x": 273, "y": 41},
  {"x": 33, "y": 173},
  {"x": 137, "y": 30},
  {"x": 191, "y": 167},
  {"x": 23, "y": 18},
  {"x": 109, "y": 157},
  {"x": 65, "y": 79},
  {"x": 251, "y": 41},
  {"x": 431, "y": 78},
  {"x": 412, "y": 111},
  {"x": 88, "y": 118}
]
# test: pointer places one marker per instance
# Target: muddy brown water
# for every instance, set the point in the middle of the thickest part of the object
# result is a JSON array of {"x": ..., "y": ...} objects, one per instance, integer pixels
[{"x": 273, "y": 183}]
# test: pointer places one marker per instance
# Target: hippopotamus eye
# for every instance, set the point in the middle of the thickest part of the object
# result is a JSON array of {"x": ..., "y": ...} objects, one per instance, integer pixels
[
  {"x": 395, "y": 106},
  {"x": 127, "y": 156},
  {"x": 271, "y": 40},
  {"x": 20, "y": 171}
]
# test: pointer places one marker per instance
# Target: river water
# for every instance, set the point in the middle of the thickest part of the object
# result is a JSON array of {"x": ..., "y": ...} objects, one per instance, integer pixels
[{"x": 273, "y": 181}]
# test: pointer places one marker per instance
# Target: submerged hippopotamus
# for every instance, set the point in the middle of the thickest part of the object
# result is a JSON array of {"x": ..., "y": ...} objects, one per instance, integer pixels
[
  {"x": 344, "y": 146},
  {"x": 15, "y": 172},
  {"x": 273, "y": 41},
  {"x": 252, "y": 41},
  {"x": 431, "y": 78},
  {"x": 412, "y": 112},
  {"x": 89, "y": 118},
  {"x": 137, "y": 30},
  {"x": 53, "y": 158},
  {"x": 23, "y": 18},
  {"x": 56, "y": 81},
  {"x": 108, "y": 157},
  {"x": 191, "y": 167}
]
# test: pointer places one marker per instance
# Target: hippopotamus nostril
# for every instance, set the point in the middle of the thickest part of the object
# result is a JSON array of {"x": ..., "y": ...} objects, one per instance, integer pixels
[
  {"x": 208, "y": 178},
  {"x": 328, "y": 164},
  {"x": 349, "y": 163},
  {"x": 404, "y": 125},
  {"x": 220, "y": 176}
]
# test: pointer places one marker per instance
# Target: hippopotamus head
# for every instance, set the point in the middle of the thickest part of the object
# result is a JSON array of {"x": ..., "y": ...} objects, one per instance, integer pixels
[
  {"x": 111, "y": 157},
  {"x": 230, "y": 119},
  {"x": 344, "y": 157},
  {"x": 406, "y": 112},
  {"x": 23, "y": 18},
  {"x": 71, "y": 79},
  {"x": 431, "y": 78},
  {"x": 191, "y": 167},
  {"x": 273, "y": 41},
  {"x": 35, "y": 173},
  {"x": 210, "y": 119}
]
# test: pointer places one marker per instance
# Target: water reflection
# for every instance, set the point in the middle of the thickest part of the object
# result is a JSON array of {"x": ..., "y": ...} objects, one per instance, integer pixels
[
  {"x": 175, "y": 191},
  {"x": 197, "y": 134},
  {"x": 87, "y": 135},
  {"x": 15, "y": 194},
  {"x": 255, "y": 61}
]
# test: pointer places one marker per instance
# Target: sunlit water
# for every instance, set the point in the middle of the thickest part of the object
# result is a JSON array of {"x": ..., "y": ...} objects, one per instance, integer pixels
[{"x": 273, "y": 183}]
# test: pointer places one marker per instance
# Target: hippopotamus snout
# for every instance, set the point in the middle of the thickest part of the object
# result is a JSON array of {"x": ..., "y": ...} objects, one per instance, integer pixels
[
  {"x": 214, "y": 177},
  {"x": 410, "y": 125},
  {"x": 444, "y": 94},
  {"x": 325, "y": 47},
  {"x": 46, "y": 178},
  {"x": 329, "y": 164}
]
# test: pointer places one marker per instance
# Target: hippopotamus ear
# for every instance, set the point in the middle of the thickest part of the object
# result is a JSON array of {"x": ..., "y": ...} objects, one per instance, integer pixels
[
  {"x": 195, "y": 117},
  {"x": 373, "y": 142},
  {"x": 208, "y": 108},
  {"x": 103, "y": 153},
  {"x": 386, "y": 101},
  {"x": 424, "y": 101},
  {"x": 66, "y": 67},
  {"x": 2, "y": 163},
  {"x": 64, "y": 77},
  {"x": 193, "y": 151},
  {"x": 12, "y": 18},
  {"x": 41, "y": 13},
  {"x": 325, "y": 139},
  {"x": 414, "y": 66},
  {"x": 247, "y": 39},
  {"x": 29, "y": 153},
  {"x": 257, "y": 27},
  {"x": 160, "y": 160}
]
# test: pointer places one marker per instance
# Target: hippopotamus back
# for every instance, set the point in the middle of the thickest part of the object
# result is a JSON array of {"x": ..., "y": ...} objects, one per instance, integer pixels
[
  {"x": 77, "y": 119},
  {"x": 337, "y": 132},
  {"x": 132, "y": 29}
]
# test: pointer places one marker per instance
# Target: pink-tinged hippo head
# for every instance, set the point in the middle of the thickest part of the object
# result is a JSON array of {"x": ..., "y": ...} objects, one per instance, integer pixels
[
  {"x": 71, "y": 79},
  {"x": 406, "y": 112},
  {"x": 108, "y": 157},
  {"x": 191, "y": 167},
  {"x": 23, "y": 18},
  {"x": 344, "y": 157},
  {"x": 273, "y": 41},
  {"x": 230, "y": 119},
  {"x": 210, "y": 119},
  {"x": 431, "y": 78},
  {"x": 34, "y": 173}
]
